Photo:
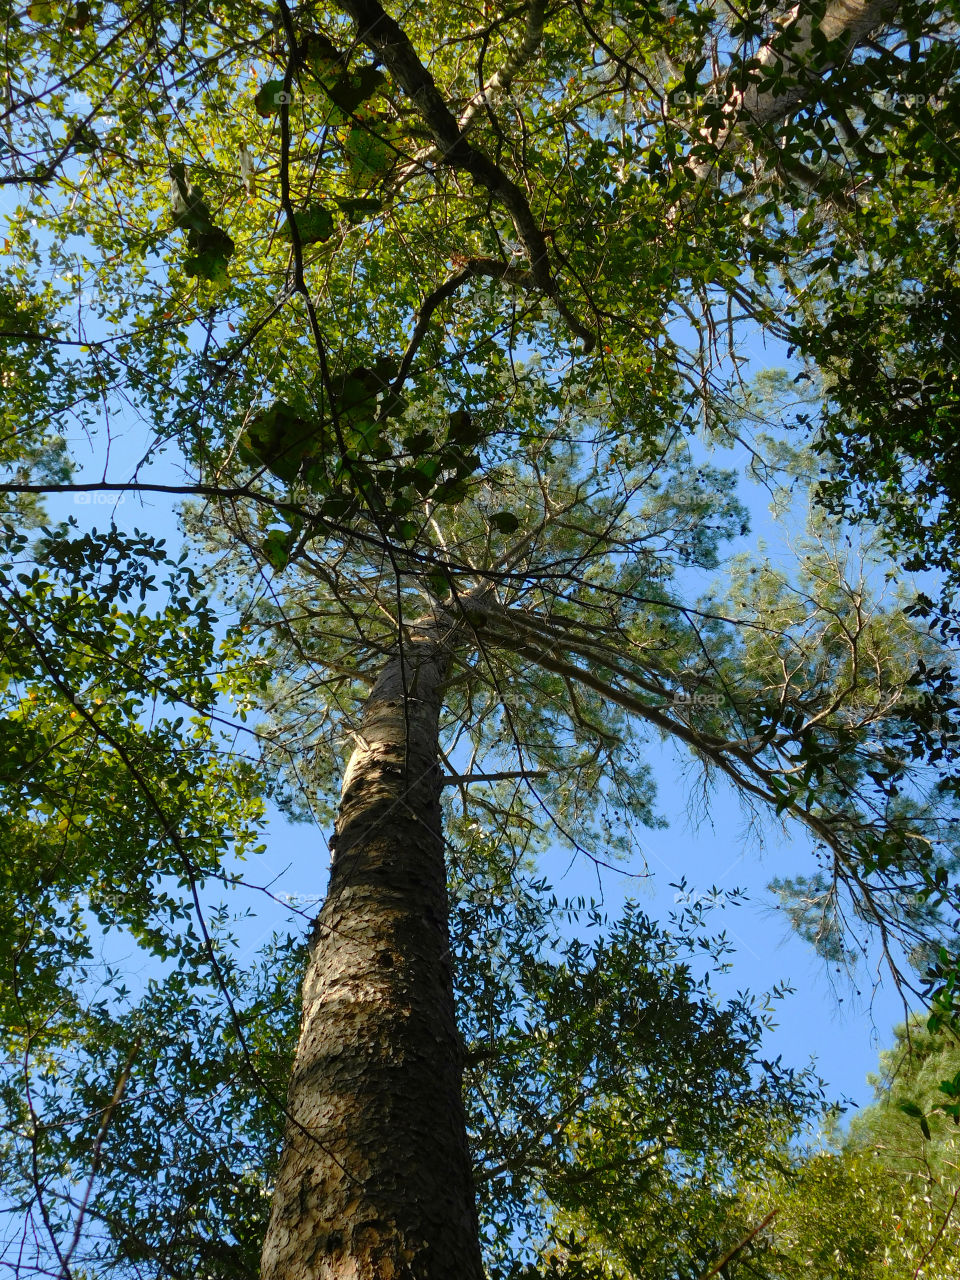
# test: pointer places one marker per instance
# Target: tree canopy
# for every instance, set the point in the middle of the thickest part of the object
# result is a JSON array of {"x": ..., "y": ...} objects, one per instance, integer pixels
[{"x": 446, "y": 327}]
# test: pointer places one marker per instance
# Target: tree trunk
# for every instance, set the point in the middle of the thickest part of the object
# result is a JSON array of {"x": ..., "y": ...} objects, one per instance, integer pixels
[{"x": 374, "y": 1180}]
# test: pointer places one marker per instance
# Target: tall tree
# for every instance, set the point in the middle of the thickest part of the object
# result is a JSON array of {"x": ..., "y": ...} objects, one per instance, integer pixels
[
  {"x": 418, "y": 318},
  {"x": 610, "y": 1029}
]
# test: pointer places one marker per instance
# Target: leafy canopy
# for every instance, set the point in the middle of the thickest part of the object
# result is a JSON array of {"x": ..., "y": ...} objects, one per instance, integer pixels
[{"x": 439, "y": 321}]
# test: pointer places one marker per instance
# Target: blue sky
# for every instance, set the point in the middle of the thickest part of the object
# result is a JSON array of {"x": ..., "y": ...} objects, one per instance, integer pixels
[{"x": 824, "y": 1017}]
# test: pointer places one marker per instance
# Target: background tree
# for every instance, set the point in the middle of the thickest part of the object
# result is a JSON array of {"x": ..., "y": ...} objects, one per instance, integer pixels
[
  {"x": 117, "y": 815},
  {"x": 881, "y": 1200},
  {"x": 876, "y": 1200},
  {"x": 615, "y": 1031}
]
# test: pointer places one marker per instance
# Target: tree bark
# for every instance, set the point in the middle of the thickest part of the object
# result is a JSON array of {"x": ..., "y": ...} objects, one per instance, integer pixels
[{"x": 374, "y": 1180}]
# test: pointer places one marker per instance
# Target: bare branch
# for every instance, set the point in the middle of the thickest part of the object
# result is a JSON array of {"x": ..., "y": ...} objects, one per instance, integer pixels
[{"x": 738, "y": 1248}]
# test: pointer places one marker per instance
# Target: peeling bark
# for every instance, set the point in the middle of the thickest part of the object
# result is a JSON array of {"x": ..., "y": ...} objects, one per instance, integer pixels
[{"x": 375, "y": 1181}]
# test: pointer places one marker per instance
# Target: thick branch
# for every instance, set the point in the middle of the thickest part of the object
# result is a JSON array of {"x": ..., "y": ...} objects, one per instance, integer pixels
[
  {"x": 738, "y": 1248},
  {"x": 493, "y": 89},
  {"x": 500, "y": 82},
  {"x": 505, "y": 775},
  {"x": 387, "y": 39},
  {"x": 844, "y": 25},
  {"x": 467, "y": 268},
  {"x": 726, "y": 756},
  {"x": 429, "y": 305}
]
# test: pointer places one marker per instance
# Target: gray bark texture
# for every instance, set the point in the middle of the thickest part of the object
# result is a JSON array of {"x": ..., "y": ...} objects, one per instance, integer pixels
[{"x": 375, "y": 1181}]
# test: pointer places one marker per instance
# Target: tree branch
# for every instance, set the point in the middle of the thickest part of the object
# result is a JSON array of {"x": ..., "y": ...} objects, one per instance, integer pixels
[
  {"x": 506, "y": 775},
  {"x": 845, "y": 23},
  {"x": 385, "y": 37},
  {"x": 97, "y": 1152},
  {"x": 499, "y": 83},
  {"x": 429, "y": 305},
  {"x": 738, "y": 1248}
]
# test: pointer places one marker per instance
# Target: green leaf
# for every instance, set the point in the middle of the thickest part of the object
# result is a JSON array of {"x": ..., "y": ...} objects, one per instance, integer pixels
[
  {"x": 419, "y": 443},
  {"x": 911, "y": 1109},
  {"x": 314, "y": 224},
  {"x": 358, "y": 388},
  {"x": 276, "y": 548},
  {"x": 81, "y": 17},
  {"x": 505, "y": 521},
  {"x": 386, "y": 369},
  {"x": 338, "y": 506},
  {"x": 369, "y": 153},
  {"x": 355, "y": 87},
  {"x": 357, "y": 208},
  {"x": 319, "y": 53},
  {"x": 280, "y": 439},
  {"x": 270, "y": 97},
  {"x": 85, "y": 141},
  {"x": 462, "y": 428},
  {"x": 213, "y": 249},
  {"x": 450, "y": 491},
  {"x": 439, "y": 582}
]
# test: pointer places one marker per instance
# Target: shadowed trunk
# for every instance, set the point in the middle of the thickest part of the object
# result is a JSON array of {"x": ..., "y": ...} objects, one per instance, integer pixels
[{"x": 374, "y": 1181}]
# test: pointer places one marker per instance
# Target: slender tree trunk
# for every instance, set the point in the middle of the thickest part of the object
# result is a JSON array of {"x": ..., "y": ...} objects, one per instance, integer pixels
[{"x": 374, "y": 1181}]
